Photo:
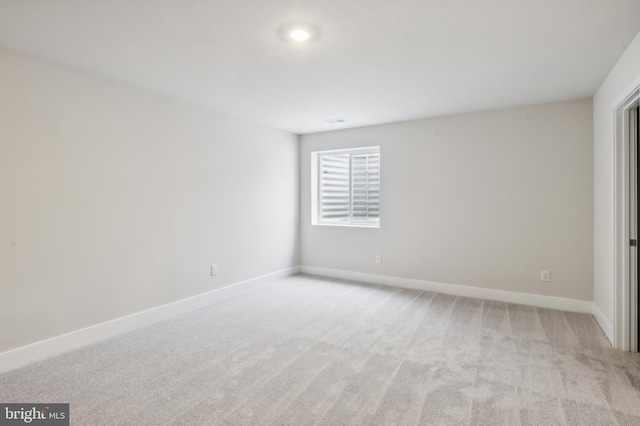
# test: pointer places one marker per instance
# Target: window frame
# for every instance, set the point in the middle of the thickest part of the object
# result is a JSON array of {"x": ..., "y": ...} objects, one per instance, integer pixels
[{"x": 316, "y": 192}]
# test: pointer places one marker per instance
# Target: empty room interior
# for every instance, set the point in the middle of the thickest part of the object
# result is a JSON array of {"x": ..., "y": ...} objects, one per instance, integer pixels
[{"x": 299, "y": 212}]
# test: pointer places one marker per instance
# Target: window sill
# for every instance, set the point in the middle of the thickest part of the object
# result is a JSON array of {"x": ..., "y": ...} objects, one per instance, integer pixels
[{"x": 349, "y": 225}]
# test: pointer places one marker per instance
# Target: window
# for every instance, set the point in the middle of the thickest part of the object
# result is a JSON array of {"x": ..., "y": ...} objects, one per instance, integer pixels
[{"x": 346, "y": 187}]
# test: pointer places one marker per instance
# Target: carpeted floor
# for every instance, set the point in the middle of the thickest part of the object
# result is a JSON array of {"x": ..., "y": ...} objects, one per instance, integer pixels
[{"x": 306, "y": 350}]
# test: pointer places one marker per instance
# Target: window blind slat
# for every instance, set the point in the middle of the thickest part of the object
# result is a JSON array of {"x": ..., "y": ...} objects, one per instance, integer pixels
[
  {"x": 365, "y": 186},
  {"x": 334, "y": 187}
]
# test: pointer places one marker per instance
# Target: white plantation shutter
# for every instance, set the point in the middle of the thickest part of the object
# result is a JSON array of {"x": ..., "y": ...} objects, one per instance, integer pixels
[
  {"x": 365, "y": 186},
  {"x": 348, "y": 187},
  {"x": 334, "y": 188}
]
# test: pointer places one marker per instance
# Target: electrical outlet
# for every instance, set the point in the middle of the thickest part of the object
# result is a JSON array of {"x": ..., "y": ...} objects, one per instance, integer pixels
[
  {"x": 378, "y": 258},
  {"x": 545, "y": 276},
  {"x": 214, "y": 270}
]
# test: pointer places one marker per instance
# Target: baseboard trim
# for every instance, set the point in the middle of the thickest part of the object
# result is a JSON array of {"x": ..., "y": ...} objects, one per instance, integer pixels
[
  {"x": 38, "y": 351},
  {"x": 537, "y": 300},
  {"x": 602, "y": 322}
]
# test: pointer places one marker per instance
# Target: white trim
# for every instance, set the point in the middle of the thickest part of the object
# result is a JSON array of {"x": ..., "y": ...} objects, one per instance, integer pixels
[
  {"x": 45, "y": 348},
  {"x": 621, "y": 220},
  {"x": 538, "y": 300},
  {"x": 356, "y": 150},
  {"x": 602, "y": 322},
  {"x": 632, "y": 128},
  {"x": 348, "y": 225}
]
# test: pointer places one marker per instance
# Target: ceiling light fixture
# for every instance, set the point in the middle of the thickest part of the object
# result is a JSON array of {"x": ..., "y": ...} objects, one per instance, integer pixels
[
  {"x": 299, "y": 35},
  {"x": 298, "y": 32}
]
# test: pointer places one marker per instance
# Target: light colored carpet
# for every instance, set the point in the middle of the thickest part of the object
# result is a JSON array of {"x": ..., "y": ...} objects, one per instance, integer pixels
[{"x": 306, "y": 350}]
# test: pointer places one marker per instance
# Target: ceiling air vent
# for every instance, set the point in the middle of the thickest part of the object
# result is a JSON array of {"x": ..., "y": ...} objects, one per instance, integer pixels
[{"x": 336, "y": 121}]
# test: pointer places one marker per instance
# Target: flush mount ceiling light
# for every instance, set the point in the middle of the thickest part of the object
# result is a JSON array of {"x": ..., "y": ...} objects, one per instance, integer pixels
[{"x": 298, "y": 32}]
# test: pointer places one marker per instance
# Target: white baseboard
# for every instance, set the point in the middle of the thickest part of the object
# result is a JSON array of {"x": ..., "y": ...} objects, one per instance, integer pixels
[
  {"x": 550, "y": 302},
  {"x": 37, "y": 351},
  {"x": 602, "y": 321}
]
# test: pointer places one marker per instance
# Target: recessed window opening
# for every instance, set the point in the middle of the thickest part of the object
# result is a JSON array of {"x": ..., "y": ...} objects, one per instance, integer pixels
[{"x": 346, "y": 187}]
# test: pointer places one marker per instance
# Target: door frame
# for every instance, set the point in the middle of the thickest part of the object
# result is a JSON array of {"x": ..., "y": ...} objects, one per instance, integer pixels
[
  {"x": 623, "y": 274},
  {"x": 632, "y": 134}
]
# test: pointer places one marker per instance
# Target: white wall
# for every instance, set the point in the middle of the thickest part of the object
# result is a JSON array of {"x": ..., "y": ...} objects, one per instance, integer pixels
[
  {"x": 115, "y": 200},
  {"x": 619, "y": 82},
  {"x": 486, "y": 199}
]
